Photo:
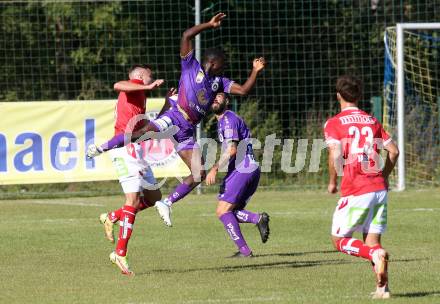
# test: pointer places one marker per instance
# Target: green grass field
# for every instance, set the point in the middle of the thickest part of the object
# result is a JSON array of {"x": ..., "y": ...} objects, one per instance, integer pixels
[{"x": 54, "y": 251}]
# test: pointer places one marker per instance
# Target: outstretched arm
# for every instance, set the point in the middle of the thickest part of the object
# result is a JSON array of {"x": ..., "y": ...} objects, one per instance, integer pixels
[
  {"x": 258, "y": 65},
  {"x": 189, "y": 34},
  {"x": 127, "y": 86}
]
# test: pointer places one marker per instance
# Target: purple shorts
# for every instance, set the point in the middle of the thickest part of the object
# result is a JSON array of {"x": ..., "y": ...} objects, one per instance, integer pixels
[
  {"x": 185, "y": 137},
  {"x": 237, "y": 188}
]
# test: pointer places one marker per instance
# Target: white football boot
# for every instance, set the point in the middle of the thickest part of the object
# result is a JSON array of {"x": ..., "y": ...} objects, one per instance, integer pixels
[{"x": 164, "y": 210}]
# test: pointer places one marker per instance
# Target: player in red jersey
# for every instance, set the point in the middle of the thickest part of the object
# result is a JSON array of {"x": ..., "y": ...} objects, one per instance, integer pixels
[
  {"x": 354, "y": 139},
  {"x": 134, "y": 174}
]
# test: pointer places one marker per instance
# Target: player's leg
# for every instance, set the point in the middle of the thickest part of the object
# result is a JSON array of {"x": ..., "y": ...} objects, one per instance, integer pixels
[
  {"x": 249, "y": 184},
  {"x": 128, "y": 164},
  {"x": 121, "y": 164},
  {"x": 143, "y": 182},
  {"x": 226, "y": 216},
  {"x": 120, "y": 140},
  {"x": 149, "y": 198},
  {"x": 377, "y": 224},
  {"x": 126, "y": 223},
  {"x": 184, "y": 134},
  {"x": 380, "y": 259},
  {"x": 150, "y": 192},
  {"x": 352, "y": 246},
  {"x": 188, "y": 151},
  {"x": 194, "y": 160},
  {"x": 351, "y": 214},
  {"x": 235, "y": 191},
  {"x": 365, "y": 213}
]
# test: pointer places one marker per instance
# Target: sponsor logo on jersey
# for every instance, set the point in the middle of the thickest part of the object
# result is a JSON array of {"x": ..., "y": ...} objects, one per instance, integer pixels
[
  {"x": 200, "y": 76},
  {"x": 201, "y": 97}
]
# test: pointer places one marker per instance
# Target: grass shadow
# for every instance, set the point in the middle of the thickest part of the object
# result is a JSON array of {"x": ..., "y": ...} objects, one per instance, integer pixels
[
  {"x": 417, "y": 294},
  {"x": 287, "y": 254},
  {"x": 284, "y": 264}
]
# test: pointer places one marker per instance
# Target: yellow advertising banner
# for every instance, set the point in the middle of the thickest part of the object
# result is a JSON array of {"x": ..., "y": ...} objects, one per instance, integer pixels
[{"x": 45, "y": 142}]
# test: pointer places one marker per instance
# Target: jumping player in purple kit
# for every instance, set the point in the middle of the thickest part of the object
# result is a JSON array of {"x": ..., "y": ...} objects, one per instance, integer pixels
[
  {"x": 198, "y": 86},
  {"x": 241, "y": 180}
]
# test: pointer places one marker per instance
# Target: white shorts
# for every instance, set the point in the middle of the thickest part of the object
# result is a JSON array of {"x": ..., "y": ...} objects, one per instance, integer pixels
[
  {"x": 133, "y": 171},
  {"x": 366, "y": 213}
]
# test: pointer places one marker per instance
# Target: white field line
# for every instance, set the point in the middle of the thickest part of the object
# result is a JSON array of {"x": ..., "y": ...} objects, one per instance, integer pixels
[
  {"x": 324, "y": 212},
  {"x": 50, "y": 202},
  {"x": 235, "y": 300},
  {"x": 49, "y": 221}
]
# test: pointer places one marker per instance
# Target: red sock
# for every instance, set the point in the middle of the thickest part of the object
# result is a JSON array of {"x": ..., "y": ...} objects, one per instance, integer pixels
[
  {"x": 144, "y": 204},
  {"x": 355, "y": 247},
  {"x": 115, "y": 216},
  {"x": 126, "y": 227}
]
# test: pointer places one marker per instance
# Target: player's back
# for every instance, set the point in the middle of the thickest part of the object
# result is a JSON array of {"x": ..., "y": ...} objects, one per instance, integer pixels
[
  {"x": 361, "y": 136},
  {"x": 129, "y": 105}
]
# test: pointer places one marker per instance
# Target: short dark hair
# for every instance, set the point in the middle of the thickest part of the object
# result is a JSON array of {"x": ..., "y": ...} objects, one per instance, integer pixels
[
  {"x": 142, "y": 66},
  {"x": 214, "y": 53},
  {"x": 349, "y": 87}
]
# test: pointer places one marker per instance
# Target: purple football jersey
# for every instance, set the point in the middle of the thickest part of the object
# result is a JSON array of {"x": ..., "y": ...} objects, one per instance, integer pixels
[
  {"x": 197, "y": 90},
  {"x": 231, "y": 127}
]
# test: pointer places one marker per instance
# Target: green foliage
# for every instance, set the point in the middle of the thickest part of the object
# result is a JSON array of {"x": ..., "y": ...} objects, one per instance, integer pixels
[
  {"x": 263, "y": 124},
  {"x": 58, "y": 50},
  {"x": 259, "y": 122}
]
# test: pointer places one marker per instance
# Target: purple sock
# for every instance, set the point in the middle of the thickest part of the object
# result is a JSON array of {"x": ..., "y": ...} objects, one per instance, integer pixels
[
  {"x": 180, "y": 192},
  {"x": 244, "y": 216},
  {"x": 233, "y": 228},
  {"x": 116, "y": 141}
]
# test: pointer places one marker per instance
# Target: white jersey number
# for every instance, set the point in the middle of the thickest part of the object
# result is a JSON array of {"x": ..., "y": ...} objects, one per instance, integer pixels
[{"x": 367, "y": 133}]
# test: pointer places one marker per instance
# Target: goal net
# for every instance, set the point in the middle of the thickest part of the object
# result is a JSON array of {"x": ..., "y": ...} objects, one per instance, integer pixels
[{"x": 421, "y": 102}]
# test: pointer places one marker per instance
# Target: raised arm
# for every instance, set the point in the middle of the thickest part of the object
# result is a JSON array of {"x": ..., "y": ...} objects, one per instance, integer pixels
[
  {"x": 189, "y": 34},
  {"x": 257, "y": 65},
  {"x": 127, "y": 86}
]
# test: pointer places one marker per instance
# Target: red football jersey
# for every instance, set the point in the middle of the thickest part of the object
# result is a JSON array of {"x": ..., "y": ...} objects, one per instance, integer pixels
[
  {"x": 128, "y": 106},
  {"x": 360, "y": 136}
]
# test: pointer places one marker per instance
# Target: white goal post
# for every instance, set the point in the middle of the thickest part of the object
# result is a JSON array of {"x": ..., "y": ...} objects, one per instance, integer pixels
[{"x": 400, "y": 28}]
